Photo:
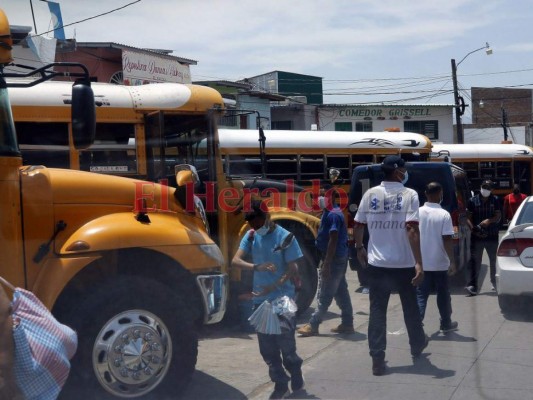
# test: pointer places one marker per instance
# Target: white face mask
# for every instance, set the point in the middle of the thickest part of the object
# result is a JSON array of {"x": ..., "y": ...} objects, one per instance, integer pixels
[
  {"x": 405, "y": 177},
  {"x": 263, "y": 230},
  {"x": 485, "y": 192},
  {"x": 322, "y": 202}
]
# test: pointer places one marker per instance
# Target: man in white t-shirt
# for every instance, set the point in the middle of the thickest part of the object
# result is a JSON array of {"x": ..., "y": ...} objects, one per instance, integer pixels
[
  {"x": 390, "y": 212},
  {"x": 436, "y": 242}
]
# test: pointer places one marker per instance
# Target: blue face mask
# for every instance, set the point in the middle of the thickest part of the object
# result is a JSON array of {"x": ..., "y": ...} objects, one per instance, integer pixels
[
  {"x": 263, "y": 230},
  {"x": 405, "y": 177}
]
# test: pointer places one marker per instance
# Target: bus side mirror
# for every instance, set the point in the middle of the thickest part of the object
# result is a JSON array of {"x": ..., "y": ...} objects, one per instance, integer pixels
[
  {"x": 83, "y": 115},
  {"x": 186, "y": 173}
]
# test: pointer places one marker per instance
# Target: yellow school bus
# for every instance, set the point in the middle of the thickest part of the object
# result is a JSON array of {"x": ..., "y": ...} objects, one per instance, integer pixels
[
  {"x": 122, "y": 261},
  {"x": 143, "y": 132},
  {"x": 505, "y": 164}
]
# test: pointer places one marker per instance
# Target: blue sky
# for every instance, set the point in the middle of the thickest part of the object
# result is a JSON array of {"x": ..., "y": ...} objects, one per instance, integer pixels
[{"x": 365, "y": 50}]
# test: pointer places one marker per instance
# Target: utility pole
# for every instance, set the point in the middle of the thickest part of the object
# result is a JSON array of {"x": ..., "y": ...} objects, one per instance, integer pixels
[
  {"x": 459, "y": 125},
  {"x": 504, "y": 124}
]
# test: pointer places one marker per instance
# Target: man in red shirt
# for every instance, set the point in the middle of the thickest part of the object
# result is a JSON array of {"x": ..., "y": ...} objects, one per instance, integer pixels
[{"x": 511, "y": 202}]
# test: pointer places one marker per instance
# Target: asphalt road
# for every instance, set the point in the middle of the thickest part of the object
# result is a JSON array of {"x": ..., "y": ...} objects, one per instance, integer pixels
[{"x": 489, "y": 357}]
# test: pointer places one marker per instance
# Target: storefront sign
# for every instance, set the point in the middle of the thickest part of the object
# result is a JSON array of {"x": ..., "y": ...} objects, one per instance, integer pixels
[
  {"x": 139, "y": 68},
  {"x": 361, "y": 112}
]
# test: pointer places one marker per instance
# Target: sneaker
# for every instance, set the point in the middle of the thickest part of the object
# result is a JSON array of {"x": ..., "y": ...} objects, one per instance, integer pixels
[
  {"x": 343, "y": 329},
  {"x": 378, "y": 366},
  {"x": 307, "y": 330},
  {"x": 297, "y": 382},
  {"x": 416, "y": 352},
  {"x": 471, "y": 290},
  {"x": 281, "y": 391},
  {"x": 449, "y": 328},
  {"x": 493, "y": 287},
  {"x": 365, "y": 290}
]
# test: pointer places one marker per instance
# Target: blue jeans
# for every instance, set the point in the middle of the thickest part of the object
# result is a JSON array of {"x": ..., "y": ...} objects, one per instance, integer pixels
[
  {"x": 437, "y": 280},
  {"x": 279, "y": 352},
  {"x": 382, "y": 281},
  {"x": 334, "y": 287}
]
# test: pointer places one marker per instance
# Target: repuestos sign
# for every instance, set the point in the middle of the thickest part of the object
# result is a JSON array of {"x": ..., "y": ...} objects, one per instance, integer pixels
[{"x": 139, "y": 68}]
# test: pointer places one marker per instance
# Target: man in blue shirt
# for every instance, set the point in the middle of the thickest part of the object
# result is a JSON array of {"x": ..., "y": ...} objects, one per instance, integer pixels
[
  {"x": 274, "y": 266},
  {"x": 332, "y": 243}
]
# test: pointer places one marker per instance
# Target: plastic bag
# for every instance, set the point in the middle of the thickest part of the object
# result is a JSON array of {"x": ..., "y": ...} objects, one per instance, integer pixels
[
  {"x": 285, "y": 306},
  {"x": 266, "y": 318},
  {"x": 43, "y": 347}
]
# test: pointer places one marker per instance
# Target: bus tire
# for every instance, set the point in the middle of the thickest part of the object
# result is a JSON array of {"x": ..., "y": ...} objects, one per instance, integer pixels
[
  {"x": 308, "y": 271},
  {"x": 118, "y": 319}
]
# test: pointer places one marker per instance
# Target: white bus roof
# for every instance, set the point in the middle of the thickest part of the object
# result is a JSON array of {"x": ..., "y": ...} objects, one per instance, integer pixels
[
  {"x": 480, "y": 151},
  {"x": 282, "y": 139},
  {"x": 155, "y": 96}
]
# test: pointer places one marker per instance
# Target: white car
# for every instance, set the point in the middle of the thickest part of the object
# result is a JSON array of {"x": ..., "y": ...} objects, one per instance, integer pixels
[{"x": 514, "y": 262}]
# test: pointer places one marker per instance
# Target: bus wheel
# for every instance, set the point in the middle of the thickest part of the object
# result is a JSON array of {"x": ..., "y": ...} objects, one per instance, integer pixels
[
  {"x": 306, "y": 291},
  {"x": 136, "y": 337}
]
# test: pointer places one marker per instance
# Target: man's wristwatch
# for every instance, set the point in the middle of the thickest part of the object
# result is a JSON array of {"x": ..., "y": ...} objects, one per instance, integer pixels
[{"x": 256, "y": 267}]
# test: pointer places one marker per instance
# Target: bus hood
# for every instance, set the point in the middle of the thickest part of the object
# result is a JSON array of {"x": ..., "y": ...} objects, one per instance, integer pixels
[{"x": 78, "y": 187}]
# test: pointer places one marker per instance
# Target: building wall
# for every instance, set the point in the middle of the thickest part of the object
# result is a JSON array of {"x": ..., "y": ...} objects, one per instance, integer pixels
[
  {"x": 290, "y": 84},
  {"x": 517, "y": 104},
  {"x": 298, "y": 117},
  {"x": 102, "y": 63}
]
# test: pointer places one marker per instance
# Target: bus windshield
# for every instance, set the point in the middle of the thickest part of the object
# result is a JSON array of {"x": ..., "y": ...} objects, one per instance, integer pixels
[{"x": 176, "y": 139}]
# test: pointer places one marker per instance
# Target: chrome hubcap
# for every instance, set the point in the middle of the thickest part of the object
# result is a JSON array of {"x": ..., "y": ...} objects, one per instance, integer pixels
[{"x": 132, "y": 353}]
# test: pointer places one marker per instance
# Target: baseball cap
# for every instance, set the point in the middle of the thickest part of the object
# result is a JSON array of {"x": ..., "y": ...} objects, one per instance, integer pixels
[
  {"x": 392, "y": 162},
  {"x": 487, "y": 184}
]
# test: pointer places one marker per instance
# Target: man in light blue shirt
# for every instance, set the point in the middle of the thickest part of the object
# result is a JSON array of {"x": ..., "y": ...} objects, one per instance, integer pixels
[{"x": 274, "y": 266}]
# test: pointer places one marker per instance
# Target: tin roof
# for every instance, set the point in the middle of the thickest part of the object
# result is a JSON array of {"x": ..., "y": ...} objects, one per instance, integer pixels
[{"x": 159, "y": 52}]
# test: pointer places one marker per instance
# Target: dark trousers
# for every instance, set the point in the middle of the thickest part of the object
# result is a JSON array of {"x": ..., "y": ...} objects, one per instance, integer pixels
[
  {"x": 382, "y": 281},
  {"x": 279, "y": 351},
  {"x": 356, "y": 266},
  {"x": 438, "y": 281},
  {"x": 476, "y": 255}
]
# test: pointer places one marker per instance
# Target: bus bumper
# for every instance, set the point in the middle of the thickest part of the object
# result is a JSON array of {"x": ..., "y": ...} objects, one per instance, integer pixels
[{"x": 214, "y": 291}]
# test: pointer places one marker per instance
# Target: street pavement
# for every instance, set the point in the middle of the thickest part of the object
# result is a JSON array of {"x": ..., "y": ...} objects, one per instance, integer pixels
[{"x": 489, "y": 357}]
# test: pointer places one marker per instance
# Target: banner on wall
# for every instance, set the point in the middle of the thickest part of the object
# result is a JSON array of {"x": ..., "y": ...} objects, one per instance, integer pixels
[{"x": 140, "y": 68}]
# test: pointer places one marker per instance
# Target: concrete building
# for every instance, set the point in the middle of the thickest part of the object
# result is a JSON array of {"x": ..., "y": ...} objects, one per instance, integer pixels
[
  {"x": 246, "y": 108},
  {"x": 304, "y": 89},
  {"x": 121, "y": 64},
  {"x": 434, "y": 121}
]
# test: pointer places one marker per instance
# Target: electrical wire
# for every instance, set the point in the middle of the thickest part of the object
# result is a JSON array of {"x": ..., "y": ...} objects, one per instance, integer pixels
[{"x": 87, "y": 19}]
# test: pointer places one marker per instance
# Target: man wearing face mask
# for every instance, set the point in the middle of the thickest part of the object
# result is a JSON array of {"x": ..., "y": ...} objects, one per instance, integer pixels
[
  {"x": 273, "y": 270},
  {"x": 484, "y": 212},
  {"x": 390, "y": 212},
  {"x": 511, "y": 202},
  {"x": 331, "y": 243}
]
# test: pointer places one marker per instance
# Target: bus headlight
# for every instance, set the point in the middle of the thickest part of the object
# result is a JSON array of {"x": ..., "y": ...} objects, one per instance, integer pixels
[{"x": 200, "y": 212}]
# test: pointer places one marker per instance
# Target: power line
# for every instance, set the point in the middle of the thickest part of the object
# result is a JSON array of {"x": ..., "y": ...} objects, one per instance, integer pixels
[{"x": 87, "y": 19}]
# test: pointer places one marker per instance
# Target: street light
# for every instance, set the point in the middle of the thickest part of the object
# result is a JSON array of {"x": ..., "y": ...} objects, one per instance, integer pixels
[{"x": 459, "y": 101}]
